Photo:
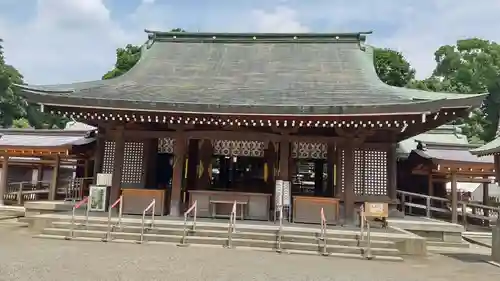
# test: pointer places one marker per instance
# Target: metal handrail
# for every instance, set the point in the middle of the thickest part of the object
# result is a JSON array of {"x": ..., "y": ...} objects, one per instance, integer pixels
[
  {"x": 151, "y": 207},
  {"x": 322, "y": 236},
  {"x": 194, "y": 209},
  {"x": 232, "y": 226},
  {"x": 76, "y": 206},
  {"x": 367, "y": 253},
  {"x": 119, "y": 221},
  {"x": 280, "y": 230}
]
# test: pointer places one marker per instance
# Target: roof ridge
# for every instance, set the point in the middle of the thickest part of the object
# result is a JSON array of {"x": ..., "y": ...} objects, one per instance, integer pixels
[{"x": 299, "y": 37}]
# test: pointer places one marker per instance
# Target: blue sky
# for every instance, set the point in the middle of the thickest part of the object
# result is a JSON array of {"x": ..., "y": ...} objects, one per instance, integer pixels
[{"x": 61, "y": 41}]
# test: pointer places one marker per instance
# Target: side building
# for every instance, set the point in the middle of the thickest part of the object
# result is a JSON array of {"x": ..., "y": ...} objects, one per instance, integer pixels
[{"x": 219, "y": 117}]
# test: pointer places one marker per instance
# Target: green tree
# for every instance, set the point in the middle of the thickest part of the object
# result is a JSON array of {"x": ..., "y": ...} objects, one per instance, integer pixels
[
  {"x": 472, "y": 66},
  {"x": 127, "y": 57},
  {"x": 11, "y": 104},
  {"x": 392, "y": 67}
]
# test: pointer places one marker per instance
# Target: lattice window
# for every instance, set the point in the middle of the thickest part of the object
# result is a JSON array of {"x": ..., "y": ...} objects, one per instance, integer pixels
[
  {"x": 370, "y": 170},
  {"x": 309, "y": 150},
  {"x": 166, "y": 145},
  {"x": 108, "y": 160},
  {"x": 133, "y": 156},
  {"x": 359, "y": 171},
  {"x": 238, "y": 148}
]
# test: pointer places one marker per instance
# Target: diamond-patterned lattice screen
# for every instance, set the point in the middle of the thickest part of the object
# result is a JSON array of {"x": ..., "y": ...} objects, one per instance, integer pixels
[
  {"x": 309, "y": 150},
  {"x": 370, "y": 172},
  {"x": 166, "y": 145},
  {"x": 238, "y": 148},
  {"x": 108, "y": 160},
  {"x": 133, "y": 156}
]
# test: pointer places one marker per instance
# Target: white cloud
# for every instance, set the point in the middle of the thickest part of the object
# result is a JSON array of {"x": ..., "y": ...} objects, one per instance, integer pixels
[
  {"x": 67, "y": 40},
  {"x": 281, "y": 20}
]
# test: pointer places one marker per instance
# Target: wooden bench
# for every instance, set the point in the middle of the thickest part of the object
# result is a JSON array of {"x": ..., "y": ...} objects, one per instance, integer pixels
[{"x": 213, "y": 204}]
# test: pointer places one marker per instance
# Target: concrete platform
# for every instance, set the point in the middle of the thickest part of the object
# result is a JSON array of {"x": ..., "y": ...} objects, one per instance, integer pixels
[{"x": 432, "y": 230}]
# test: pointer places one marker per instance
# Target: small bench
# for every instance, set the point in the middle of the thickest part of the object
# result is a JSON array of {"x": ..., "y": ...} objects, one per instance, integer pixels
[{"x": 213, "y": 204}]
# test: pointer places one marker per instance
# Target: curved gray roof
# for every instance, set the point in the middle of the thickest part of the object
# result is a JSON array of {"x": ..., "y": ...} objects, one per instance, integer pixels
[{"x": 289, "y": 74}]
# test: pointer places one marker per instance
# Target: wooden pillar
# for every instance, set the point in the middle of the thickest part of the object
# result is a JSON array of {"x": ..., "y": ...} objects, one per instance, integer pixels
[
  {"x": 330, "y": 164},
  {"x": 98, "y": 155},
  {"x": 392, "y": 184},
  {"x": 454, "y": 198},
  {"x": 204, "y": 164},
  {"x": 177, "y": 175},
  {"x": 193, "y": 162},
  {"x": 116, "y": 180},
  {"x": 270, "y": 162},
  {"x": 486, "y": 196},
  {"x": 4, "y": 179},
  {"x": 55, "y": 178},
  {"x": 319, "y": 165},
  {"x": 284, "y": 165},
  {"x": 349, "y": 195},
  {"x": 430, "y": 183}
]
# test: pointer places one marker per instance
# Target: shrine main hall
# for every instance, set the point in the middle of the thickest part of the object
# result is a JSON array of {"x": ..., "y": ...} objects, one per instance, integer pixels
[{"x": 222, "y": 117}]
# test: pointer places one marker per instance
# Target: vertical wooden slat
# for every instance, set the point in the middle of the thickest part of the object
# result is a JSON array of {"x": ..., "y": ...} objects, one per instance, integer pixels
[
  {"x": 117, "y": 166},
  {"x": 392, "y": 173},
  {"x": 55, "y": 178},
  {"x": 349, "y": 170},
  {"x": 454, "y": 198},
  {"x": 177, "y": 175},
  {"x": 99, "y": 155},
  {"x": 4, "y": 178}
]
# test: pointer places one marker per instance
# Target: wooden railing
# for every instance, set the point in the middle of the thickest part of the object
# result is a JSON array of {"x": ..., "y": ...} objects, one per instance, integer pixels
[
  {"x": 19, "y": 192},
  {"x": 74, "y": 189},
  {"x": 440, "y": 208}
]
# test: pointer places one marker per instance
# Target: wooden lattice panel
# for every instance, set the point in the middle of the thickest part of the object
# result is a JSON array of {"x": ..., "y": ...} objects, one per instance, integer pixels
[
  {"x": 359, "y": 171},
  {"x": 238, "y": 148},
  {"x": 309, "y": 150},
  {"x": 370, "y": 172},
  {"x": 166, "y": 145},
  {"x": 108, "y": 160},
  {"x": 375, "y": 166},
  {"x": 133, "y": 156}
]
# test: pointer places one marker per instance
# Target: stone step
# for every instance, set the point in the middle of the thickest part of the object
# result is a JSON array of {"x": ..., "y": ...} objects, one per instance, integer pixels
[
  {"x": 311, "y": 238},
  {"x": 247, "y": 228},
  {"x": 338, "y": 255},
  {"x": 222, "y": 241}
]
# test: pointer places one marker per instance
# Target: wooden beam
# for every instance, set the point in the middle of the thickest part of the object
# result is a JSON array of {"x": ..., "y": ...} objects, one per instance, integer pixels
[{"x": 454, "y": 199}]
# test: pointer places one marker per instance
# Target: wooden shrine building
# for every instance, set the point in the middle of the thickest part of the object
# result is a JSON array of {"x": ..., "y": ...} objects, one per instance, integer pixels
[
  {"x": 39, "y": 164},
  {"x": 218, "y": 117},
  {"x": 432, "y": 165}
]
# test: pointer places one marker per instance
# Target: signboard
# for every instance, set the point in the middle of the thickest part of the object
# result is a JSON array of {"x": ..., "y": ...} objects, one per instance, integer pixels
[
  {"x": 378, "y": 210},
  {"x": 98, "y": 198},
  {"x": 286, "y": 193},
  {"x": 278, "y": 199},
  {"x": 104, "y": 179}
]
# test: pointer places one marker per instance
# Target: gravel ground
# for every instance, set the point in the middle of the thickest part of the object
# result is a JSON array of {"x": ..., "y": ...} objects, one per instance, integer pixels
[{"x": 25, "y": 258}]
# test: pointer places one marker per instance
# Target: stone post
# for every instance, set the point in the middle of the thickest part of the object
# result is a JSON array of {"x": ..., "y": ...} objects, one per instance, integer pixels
[{"x": 495, "y": 249}]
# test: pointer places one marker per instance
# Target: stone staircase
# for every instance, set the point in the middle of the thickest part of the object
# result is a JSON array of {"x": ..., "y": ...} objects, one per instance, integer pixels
[{"x": 261, "y": 237}]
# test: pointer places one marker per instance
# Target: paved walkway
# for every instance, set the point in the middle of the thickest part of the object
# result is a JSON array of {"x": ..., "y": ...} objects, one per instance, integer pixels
[{"x": 25, "y": 258}]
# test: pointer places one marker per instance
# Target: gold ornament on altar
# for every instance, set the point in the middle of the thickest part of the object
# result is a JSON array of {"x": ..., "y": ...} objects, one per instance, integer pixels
[
  {"x": 200, "y": 169},
  {"x": 266, "y": 172}
]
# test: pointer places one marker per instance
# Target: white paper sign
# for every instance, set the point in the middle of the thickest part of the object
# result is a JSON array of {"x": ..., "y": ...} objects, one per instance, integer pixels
[
  {"x": 286, "y": 193},
  {"x": 278, "y": 195}
]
